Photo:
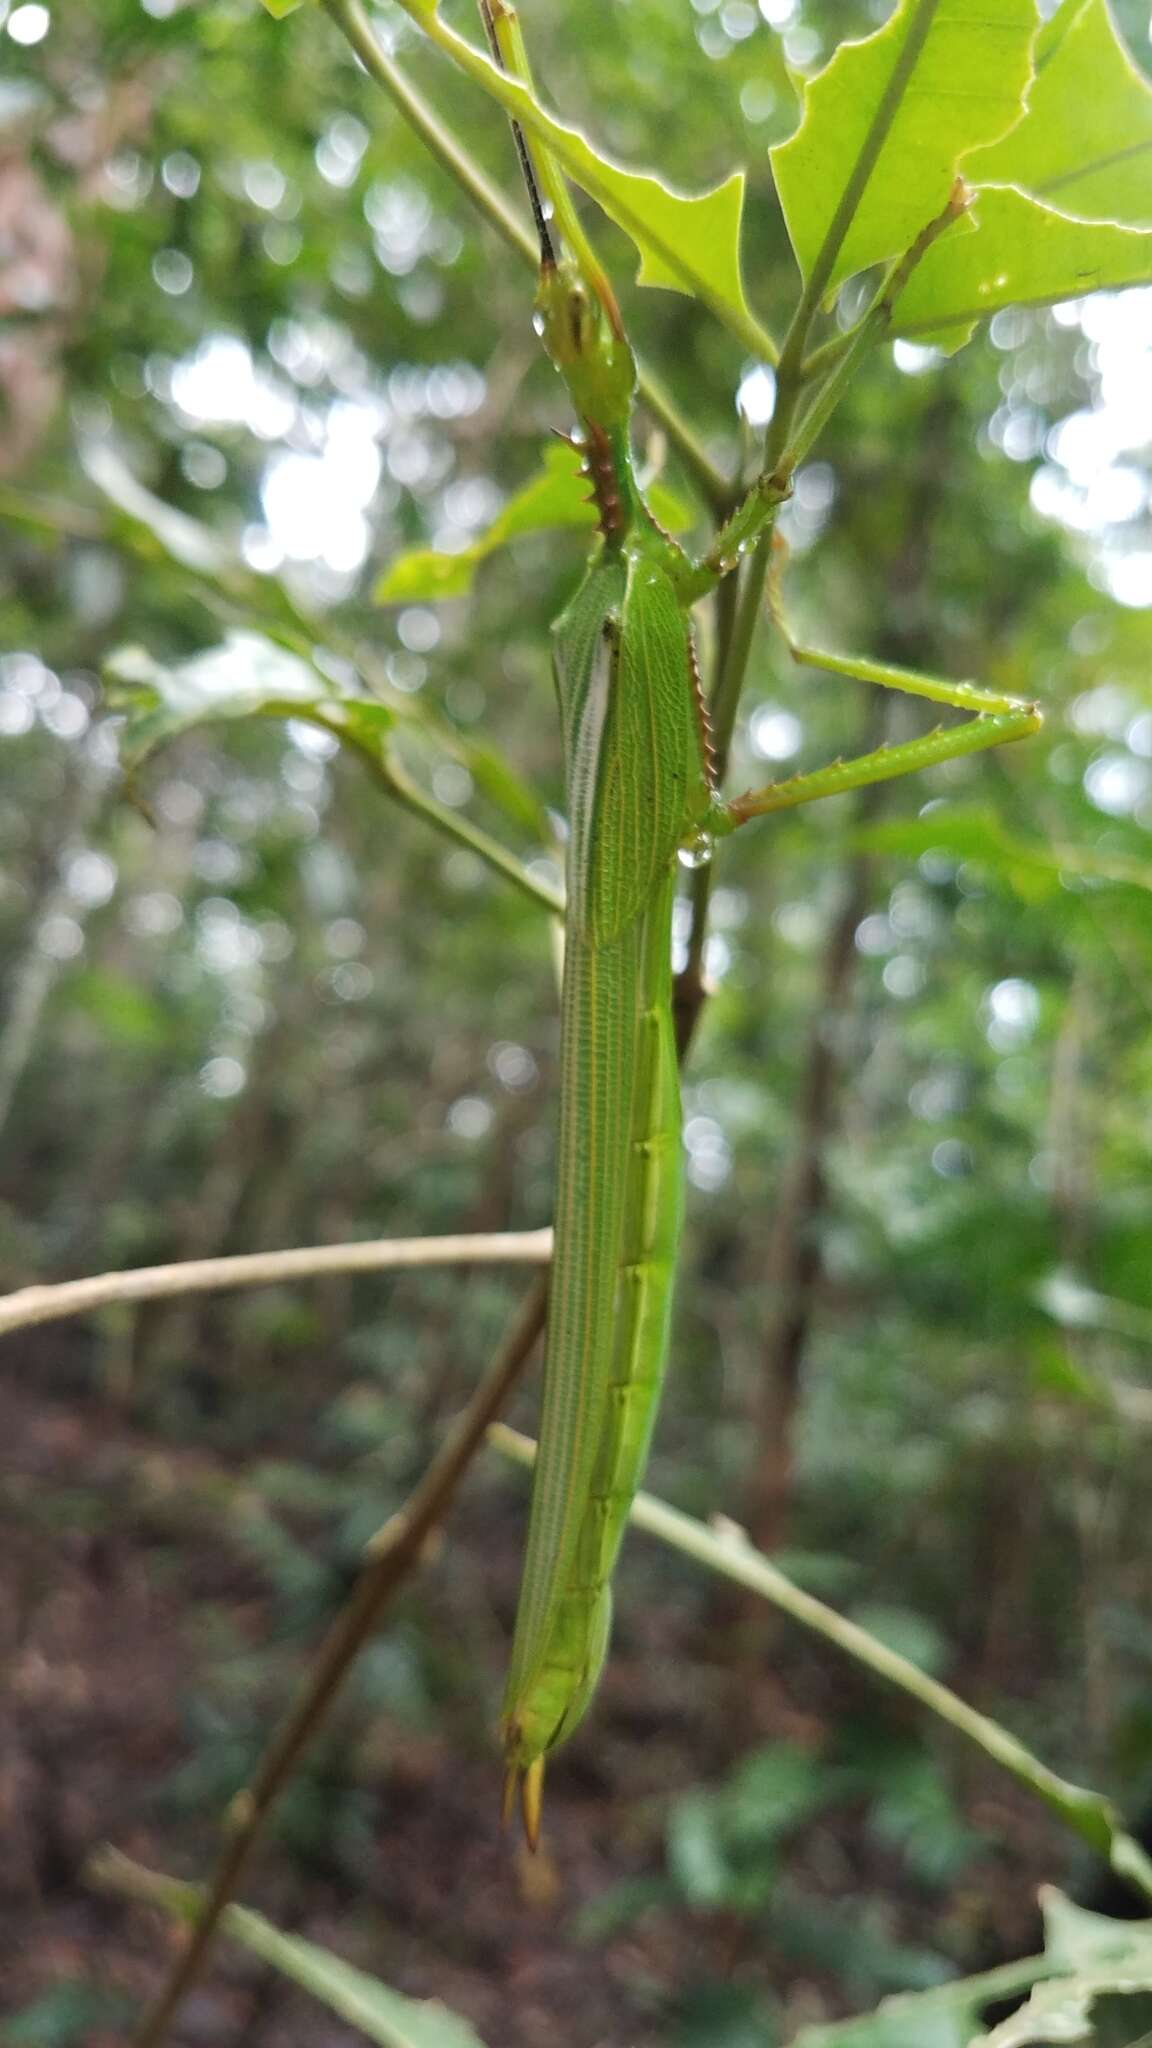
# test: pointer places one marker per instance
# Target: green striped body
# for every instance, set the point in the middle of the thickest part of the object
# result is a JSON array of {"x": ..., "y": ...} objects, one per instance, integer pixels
[{"x": 638, "y": 788}]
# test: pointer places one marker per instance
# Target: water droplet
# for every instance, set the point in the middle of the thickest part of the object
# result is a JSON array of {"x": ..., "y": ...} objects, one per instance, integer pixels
[
  {"x": 538, "y": 323},
  {"x": 697, "y": 851}
]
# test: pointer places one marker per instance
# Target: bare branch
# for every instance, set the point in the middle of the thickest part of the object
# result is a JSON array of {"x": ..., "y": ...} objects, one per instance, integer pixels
[{"x": 270, "y": 1269}]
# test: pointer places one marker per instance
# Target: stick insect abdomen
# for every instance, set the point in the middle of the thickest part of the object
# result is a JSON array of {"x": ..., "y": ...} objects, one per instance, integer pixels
[
  {"x": 646, "y": 1156},
  {"x": 653, "y": 1212},
  {"x": 637, "y": 786},
  {"x": 559, "y": 1645},
  {"x": 598, "y": 1072}
]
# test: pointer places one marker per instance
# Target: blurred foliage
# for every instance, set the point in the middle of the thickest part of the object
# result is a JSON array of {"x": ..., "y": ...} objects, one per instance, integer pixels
[{"x": 226, "y": 1029}]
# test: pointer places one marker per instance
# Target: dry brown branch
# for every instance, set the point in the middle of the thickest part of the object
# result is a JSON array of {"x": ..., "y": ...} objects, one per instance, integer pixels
[{"x": 270, "y": 1269}]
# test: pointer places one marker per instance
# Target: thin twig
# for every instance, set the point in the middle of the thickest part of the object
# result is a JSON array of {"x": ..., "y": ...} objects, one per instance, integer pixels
[
  {"x": 391, "y": 1558},
  {"x": 724, "y": 1547},
  {"x": 270, "y": 1269}
]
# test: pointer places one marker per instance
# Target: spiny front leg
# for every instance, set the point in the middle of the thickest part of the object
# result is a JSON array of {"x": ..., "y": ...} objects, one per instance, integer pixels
[
  {"x": 883, "y": 765},
  {"x": 912, "y": 682},
  {"x": 997, "y": 719}
]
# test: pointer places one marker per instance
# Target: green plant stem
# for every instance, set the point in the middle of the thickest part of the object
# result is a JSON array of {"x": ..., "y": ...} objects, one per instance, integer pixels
[
  {"x": 872, "y": 328},
  {"x": 46, "y": 514},
  {"x": 399, "y": 785},
  {"x": 450, "y": 154},
  {"x": 377, "y": 2012},
  {"x": 786, "y": 444},
  {"x": 274, "y": 609},
  {"x": 824, "y": 358},
  {"x": 391, "y": 1558},
  {"x": 738, "y": 600},
  {"x": 350, "y": 19},
  {"x": 724, "y": 1548},
  {"x": 919, "y": 28},
  {"x": 795, "y": 370},
  {"x": 733, "y": 667}
]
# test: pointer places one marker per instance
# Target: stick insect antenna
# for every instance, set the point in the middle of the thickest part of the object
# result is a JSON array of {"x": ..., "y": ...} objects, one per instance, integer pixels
[{"x": 535, "y": 196}]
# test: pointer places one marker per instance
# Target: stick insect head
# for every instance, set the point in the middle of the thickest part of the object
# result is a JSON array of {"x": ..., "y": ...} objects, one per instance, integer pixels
[
  {"x": 576, "y": 312},
  {"x": 584, "y": 340},
  {"x": 577, "y": 317}
]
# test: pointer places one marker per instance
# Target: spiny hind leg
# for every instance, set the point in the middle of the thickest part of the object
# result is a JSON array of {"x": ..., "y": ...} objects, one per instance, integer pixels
[
  {"x": 996, "y": 719},
  {"x": 884, "y": 764}
]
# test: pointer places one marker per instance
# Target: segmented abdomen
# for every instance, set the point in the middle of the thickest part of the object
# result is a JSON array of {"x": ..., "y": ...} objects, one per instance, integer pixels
[{"x": 612, "y": 1292}]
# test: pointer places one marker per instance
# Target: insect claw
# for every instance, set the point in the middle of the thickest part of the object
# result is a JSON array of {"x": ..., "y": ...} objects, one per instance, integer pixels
[
  {"x": 532, "y": 1801},
  {"x": 508, "y": 1794}
]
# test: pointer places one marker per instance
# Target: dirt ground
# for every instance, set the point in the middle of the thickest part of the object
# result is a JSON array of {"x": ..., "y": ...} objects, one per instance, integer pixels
[{"x": 107, "y": 1581}]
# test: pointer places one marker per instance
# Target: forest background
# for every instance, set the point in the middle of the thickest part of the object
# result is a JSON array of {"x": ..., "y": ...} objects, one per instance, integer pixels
[{"x": 251, "y": 1003}]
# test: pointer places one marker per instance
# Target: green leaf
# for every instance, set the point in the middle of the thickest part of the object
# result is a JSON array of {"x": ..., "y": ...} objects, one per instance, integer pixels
[
  {"x": 249, "y": 676},
  {"x": 887, "y": 122},
  {"x": 427, "y": 575},
  {"x": 156, "y": 531},
  {"x": 1087, "y": 1958},
  {"x": 688, "y": 242},
  {"x": 279, "y": 8},
  {"x": 381, "y": 2014},
  {"x": 245, "y": 677},
  {"x": 1075, "y": 1939},
  {"x": 1014, "y": 251},
  {"x": 1099, "y": 1956},
  {"x": 64, "y": 2017},
  {"x": 557, "y": 496},
  {"x": 151, "y": 528},
  {"x": 128, "y": 1014},
  {"x": 184, "y": 541},
  {"x": 899, "y": 2023},
  {"x": 772, "y": 1791},
  {"x": 695, "y": 1853},
  {"x": 1088, "y": 152}
]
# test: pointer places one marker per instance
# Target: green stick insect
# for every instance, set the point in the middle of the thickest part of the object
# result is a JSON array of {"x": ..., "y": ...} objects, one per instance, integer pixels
[{"x": 641, "y": 790}]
